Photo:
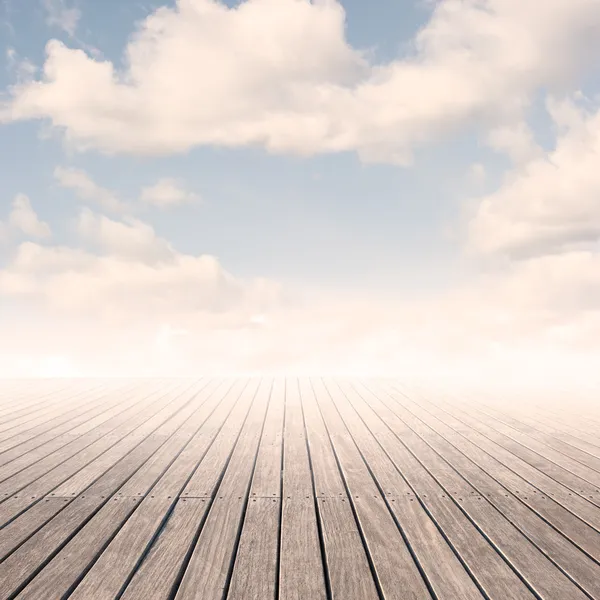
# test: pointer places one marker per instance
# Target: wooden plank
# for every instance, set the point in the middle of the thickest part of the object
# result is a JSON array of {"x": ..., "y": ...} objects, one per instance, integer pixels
[
  {"x": 578, "y": 477},
  {"x": 19, "y": 530},
  {"x": 301, "y": 572},
  {"x": 446, "y": 575},
  {"x": 24, "y": 441},
  {"x": 517, "y": 508},
  {"x": 54, "y": 580},
  {"x": 210, "y": 565},
  {"x": 487, "y": 566},
  {"x": 529, "y": 446},
  {"x": 46, "y": 483},
  {"x": 162, "y": 568},
  {"x": 26, "y": 423},
  {"x": 533, "y": 565},
  {"x": 21, "y": 565},
  {"x": 159, "y": 574},
  {"x": 65, "y": 555},
  {"x": 71, "y": 453},
  {"x": 278, "y": 493},
  {"x": 528, "y": 482},
  {"x": 256, "y": 562},
  {"x": 116, "y": 566},
  {"x": 44, "y": 445},
  {"x": 348, "y": 568},
  {"x": 34, "y": 400},
  {"x": 578, "y": 449},
  {"x": 397, "y": 574},
  {"x": 22, "y": 401},
  {"x": 92, "y": 470},
  {"x": 578, "y": 421}
]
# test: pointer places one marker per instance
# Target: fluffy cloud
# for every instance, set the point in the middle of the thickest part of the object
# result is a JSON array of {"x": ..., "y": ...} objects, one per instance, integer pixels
[
  {"x": 550, "y": 203},
  {"x": 128, "y": 310},
  {"x": 280, "y": 73},
  {"x": 87, "y": 190},
  {"x": 23, "y": 220},
  {"x": 131, "y": 240},
  {"x": 135, "y": 277},
  {"x": 166, "y": 193}
]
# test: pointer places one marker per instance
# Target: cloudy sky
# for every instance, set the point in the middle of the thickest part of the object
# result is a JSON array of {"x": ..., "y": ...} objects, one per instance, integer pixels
[{"x": 386, "y": 187}]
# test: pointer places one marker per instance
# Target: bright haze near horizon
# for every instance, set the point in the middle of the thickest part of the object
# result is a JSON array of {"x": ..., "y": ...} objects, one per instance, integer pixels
[{"x": 393, "y": 187}]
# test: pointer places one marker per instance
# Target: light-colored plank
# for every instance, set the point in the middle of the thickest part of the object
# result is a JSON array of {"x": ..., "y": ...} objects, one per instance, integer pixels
[
  {"x": 347, "y": 562},
  {"x": 92, "y": 518},
  {"x": 445, "y": 574},
  {"x": 117, "y": 564},
  {"x": 301, "y": 572},
  {"x": 486, "y": 565},
  {"x": 212, "y": 559},
  {"x": 256, "y": 561},
  {"x": 515, "y": 507},
  {"x": 395, "y": 568},
  {"x": 530, "y": 562},
  {"x": 176, "y": 540}
]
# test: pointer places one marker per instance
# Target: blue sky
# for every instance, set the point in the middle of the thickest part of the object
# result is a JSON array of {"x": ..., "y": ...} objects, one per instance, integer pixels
[
  {"x": 327, "y": 219},
  {"x": 398, "y": 162}
]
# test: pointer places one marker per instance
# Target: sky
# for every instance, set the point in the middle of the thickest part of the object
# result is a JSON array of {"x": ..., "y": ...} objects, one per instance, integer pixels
[{"x": 398, "y": 187}]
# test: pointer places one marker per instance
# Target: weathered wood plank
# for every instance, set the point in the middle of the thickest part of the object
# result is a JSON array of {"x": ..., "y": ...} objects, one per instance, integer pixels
[
  {"x": 294, "y": 489},
  {"x": 212, "y": 559},
  {"x": 256, "y": 561},
  {"x": 94, "y": 520},
  {"x": 301, "y": 572},
  {"x": 445, "y": 574},
  {"x": 348, "y": 568},
  {"x": 533, "y": 565},
  {"x": 117, "y": 564},
  {"x": 175, "y": 543},
  {"x": 397, "y": 573},
  {"x": 487, "y": 566},
  {"x": 518, "y": 508}
]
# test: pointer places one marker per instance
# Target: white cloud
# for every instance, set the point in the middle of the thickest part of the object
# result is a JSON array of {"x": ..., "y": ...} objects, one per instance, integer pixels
[
  {"x": 129, "y": 311},
  {"x": 58, "y": 14},
  {"x": 23, "y": 220},
  {"x": 86, "y": 189},
  {"x": 280, "y": 73},
  {"x": 136, "y": 277},
  {"x": 516, "y": 140},
  {"x": 550, "y": 203},
  {"x": 166, "y": 193},
  {"x": 133, "y": 240}
]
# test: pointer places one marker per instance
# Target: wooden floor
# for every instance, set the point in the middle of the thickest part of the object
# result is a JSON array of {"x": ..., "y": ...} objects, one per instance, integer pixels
[{"x": 296, "y": 489}]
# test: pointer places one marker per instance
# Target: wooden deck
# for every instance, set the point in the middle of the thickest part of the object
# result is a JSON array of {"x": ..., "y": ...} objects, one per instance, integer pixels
[{"x": 295, "y": 489}]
